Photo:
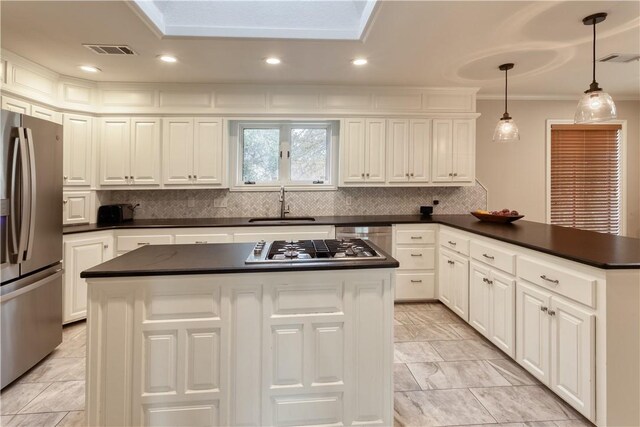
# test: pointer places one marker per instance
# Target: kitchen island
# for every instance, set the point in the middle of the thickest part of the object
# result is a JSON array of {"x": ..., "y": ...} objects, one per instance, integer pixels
[{"x": 192, "y": 335}]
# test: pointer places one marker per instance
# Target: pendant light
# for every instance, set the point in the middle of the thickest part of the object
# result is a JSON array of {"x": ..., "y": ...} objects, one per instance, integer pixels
[
  {"x": 506, "y": 129},
  {"x": 595, "y": 105}
]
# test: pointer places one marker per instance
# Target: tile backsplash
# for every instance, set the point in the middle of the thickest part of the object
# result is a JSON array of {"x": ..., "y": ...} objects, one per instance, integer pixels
[{"x": 344, "y": 201}]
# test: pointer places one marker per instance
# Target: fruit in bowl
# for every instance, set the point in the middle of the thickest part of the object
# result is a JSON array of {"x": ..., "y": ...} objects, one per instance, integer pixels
[{"x": 503, "y": 216}]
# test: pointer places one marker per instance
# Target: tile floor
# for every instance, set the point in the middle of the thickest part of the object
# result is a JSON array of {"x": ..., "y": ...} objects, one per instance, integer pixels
[{"x": 445, "y": 374}]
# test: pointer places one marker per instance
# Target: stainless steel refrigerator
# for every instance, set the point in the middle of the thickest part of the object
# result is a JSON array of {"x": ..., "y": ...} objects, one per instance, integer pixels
[{"x": 31, "y": 242}]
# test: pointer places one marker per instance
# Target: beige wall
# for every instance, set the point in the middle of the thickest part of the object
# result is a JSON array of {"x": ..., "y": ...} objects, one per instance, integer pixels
[{"x": 514, "y": 174}]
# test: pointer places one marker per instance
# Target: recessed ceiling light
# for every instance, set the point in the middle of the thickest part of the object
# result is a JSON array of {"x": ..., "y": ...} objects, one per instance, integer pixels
[
  {"x": 359, "y": 61},
  {"x": 167, "y": 58},
  {"x": 272, "y": 60},
  {"x": 90, "y": 69}
]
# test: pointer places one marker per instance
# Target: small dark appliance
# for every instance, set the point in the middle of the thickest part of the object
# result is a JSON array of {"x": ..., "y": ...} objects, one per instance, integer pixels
[
  {"x": 426, "y": 210},
  {"x": 115, "y": 214}
]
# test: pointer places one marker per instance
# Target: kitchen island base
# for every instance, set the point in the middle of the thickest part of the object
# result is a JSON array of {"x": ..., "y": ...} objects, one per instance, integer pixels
[{"x": 276, "y": 348}]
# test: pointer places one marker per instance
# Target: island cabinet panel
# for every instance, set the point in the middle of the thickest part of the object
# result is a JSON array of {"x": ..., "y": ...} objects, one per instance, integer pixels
[{"x": 260, "y": 349}]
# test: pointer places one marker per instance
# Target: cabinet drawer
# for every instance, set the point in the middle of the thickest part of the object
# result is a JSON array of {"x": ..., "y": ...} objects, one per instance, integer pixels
[
  {"x": 202, "y": 238},
  {"x": 129, "y": 243},
  {"x": 455, "y": 242},
  {"x": 494, "y": 256},
  {"x": 415, "y": 237},
  {"x": 416, "y": 258},
  {"x": 559, "y": 279},
  {"x": 415, "y": 286}
]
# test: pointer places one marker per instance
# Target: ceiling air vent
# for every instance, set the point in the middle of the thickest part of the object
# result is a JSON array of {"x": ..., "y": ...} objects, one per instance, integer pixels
[
  {"x": 109, "y": 49},
  {"x": 620, "y": 57}
]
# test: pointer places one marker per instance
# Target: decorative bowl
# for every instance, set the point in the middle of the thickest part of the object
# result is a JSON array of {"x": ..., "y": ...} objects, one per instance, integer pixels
[{"x": 501, "y": 219}]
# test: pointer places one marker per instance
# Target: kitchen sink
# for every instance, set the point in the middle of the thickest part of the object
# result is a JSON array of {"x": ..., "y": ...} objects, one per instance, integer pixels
[{"x": 284, "y": 220}]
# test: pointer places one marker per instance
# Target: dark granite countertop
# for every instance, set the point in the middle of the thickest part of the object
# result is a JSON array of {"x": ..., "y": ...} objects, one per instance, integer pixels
[
  {"x": 218, "y": 258},
  {"x": 595, "y": 249}
]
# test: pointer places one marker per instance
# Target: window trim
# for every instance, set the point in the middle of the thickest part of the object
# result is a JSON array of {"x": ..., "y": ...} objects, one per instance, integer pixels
[
  {"x": 623, "y": 168},
  {"x": 236, "y": 127}
]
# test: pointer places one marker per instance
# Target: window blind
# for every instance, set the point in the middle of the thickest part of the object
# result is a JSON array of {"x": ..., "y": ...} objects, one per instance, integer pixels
[{"x": 586, "y": 177}]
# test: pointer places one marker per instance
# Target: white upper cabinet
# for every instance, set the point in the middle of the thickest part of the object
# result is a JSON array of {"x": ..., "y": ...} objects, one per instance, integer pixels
[
  {"x": 193, "y": 151},
  {"x": 145, "y": 151},
  {"x": 16, "y": 105},
  {"x": 408, "y": 151},
  {"x": 115, "y": 143},
  {"x": 453, "y": 150},
  {"x": 46, "y": 114},
  {"x": 363, "y": 152},
  {"x": 130, "y": 151},
  {"x": 77, "y": 151}
]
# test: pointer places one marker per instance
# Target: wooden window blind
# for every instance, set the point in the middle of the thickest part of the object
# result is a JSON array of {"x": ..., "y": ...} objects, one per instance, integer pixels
[{"x": 586, "y": 177}]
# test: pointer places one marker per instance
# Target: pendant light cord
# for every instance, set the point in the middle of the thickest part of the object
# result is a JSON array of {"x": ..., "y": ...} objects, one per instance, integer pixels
[
  {"x": 506, "y": 72},
  {"x": 594, "y": 51}
]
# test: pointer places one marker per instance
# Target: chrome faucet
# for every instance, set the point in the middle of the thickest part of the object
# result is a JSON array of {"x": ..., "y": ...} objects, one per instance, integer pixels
[{"x": 283, "y": 210}]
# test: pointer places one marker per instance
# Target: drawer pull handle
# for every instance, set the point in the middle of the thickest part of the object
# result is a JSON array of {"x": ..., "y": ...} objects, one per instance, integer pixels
[
  {"x": 416, "y": 254},
  {"x": 452, "y": 243},
  {"x": 489, "y": 256},
  {"x": 485, "y": 280},
  {"x": 416, "y": 237},
  {"x": 142, "y": 243},
  {"x": 554, "y": 281},
  {"x": 551, "y": 313},
  {"x": 450, "y": 262},
  {"x": 106, "y": 246},
  {"x": 544, "y": 308},
  {"x": 416, "y": 281}
]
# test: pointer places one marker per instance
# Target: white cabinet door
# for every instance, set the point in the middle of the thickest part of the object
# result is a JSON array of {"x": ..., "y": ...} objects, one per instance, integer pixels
[
  {"x": 479, "y": 298},
  {"x": 419, "y": 160},
  {"x": 445, "y": 268},
  {"x": 76, "y": 207},
  {"x": 442, "y": 167},
  {"x": 178, "y": 150},
  {"x": 46, "y": 114},
  {"x": 375, "y": 150},
  {"x": 16, "y": 105},
  {"x": 398, "y": 151},
  {"x": 78, "y": 145},
  {"x": 463, "y": 150},
  {"x": 145, "y": 151},
  {"x": 207, "y": 151},
  {"x": 532, "y": 330},
  {"x": 573, "y": 355},
  {"x": 115, "y": 148},
  {"x": 79, "y": 255},
  {"x": 352, "y": 162},
  {"x": 460, "y": 287},
  {"x": 502, "y": 312}
]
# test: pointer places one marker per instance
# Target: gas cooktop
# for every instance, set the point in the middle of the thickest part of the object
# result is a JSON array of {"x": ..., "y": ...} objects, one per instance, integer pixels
[{"x": 313, "y": 251}]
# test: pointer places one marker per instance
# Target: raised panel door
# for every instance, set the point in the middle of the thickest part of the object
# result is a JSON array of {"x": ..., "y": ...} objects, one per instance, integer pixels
[
  {"x": 460, "y": 287},
  {"x": 419, "y": 160},
  {"x": 398, "y": 151},
  {"x": 502, "y": 312},
  {"x": 145, "y": 151},
  {"x": 178, "y": 150},
  {"x": 76, "y": 207},
  {"x": 479, "y": 298},
  {"x": 78, "y": 142},
  {"x": 115, "y": 148},
  {"x": 80, "y": 255},
  {"x": 573, "y": 355},
  {"x": 445, "y": 267},
  {"x": 207, "y": 151},
  {"x": 442, "y": 160},
  {"x": 375, "y": 150},
  {"x": 532, "y": 330},
  {"x": 463, "y": 150},
  {"x": 353, "y": 151}
]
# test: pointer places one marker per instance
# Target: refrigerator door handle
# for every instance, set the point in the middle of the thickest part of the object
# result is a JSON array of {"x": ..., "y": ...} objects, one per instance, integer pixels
[
  {"x": 24, "y": 211},
  {"x": 32, "y": 194},
  {"x": 13, "y": 214}
]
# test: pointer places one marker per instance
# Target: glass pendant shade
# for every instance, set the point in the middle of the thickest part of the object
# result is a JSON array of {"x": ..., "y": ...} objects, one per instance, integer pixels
[
  {"x": 595, "y": 107},
  {"x": 506, "y": 131}
]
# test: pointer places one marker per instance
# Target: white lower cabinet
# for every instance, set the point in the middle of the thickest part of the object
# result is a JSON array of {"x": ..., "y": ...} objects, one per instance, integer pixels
[
  {"x": 556, "y": 343},
  {"x": 492, "y": 306},
  {"x": 453, "y": 282},
  {"x": 81, "y": 252}
]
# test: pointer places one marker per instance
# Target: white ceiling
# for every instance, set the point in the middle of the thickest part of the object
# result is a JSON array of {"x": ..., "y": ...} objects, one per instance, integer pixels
[
  {"x": 327, "y": 19},
  {"x": 409, "y": 43}
]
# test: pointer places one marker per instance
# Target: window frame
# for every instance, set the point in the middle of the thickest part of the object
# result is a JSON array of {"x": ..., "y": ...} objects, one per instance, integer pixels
[
  {"x": 236, "y": 133},
  {"x": 623, "y": 168}
]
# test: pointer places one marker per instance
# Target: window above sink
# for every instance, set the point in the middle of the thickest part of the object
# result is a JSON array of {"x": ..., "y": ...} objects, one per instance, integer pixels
[{"x": 266, "y": 155}]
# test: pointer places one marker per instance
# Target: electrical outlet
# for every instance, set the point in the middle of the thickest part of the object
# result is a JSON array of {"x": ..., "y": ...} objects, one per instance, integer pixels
[
  {"x": 220, "y": 202},
  {"x": 191, "y": 202},
  {"x": 348, "y": 200}
]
